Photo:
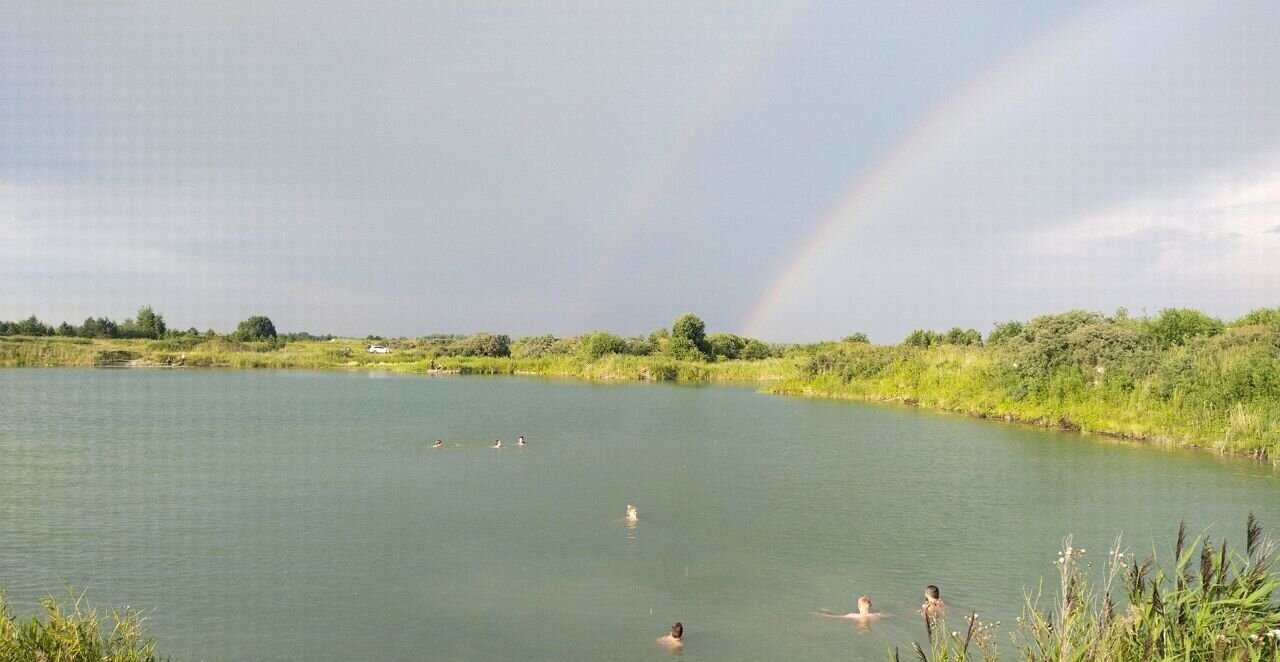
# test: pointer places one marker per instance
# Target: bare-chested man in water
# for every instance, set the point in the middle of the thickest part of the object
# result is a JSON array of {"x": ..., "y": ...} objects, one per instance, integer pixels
[
  {"x": 933, "y": 605},
  {"x": 864, "y": 614},
  {"x": 675, "y": 640}
]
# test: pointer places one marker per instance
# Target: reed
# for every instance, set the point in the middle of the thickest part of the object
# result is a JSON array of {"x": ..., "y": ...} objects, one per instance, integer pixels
[
  {"x": 1207, "y": 603},
  {"x": 71, "y": 631}
]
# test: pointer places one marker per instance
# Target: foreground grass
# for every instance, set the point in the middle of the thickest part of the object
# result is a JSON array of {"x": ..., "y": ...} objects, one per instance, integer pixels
[
  {"x": 1207, "y": 602},
  {"x": 71, "y": 631}
]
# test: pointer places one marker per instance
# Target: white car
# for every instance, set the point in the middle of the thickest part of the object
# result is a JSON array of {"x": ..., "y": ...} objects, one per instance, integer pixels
[{"x": 377, "y": 349}]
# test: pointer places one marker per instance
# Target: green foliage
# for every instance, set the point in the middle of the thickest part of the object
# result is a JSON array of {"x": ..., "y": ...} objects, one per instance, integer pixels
[
  {"x": 1175, "y": 326},
  {"x": 857, "y": 338},
  {"x": 257, "y": 327},
  {"x": 71, "y": 631},
  {"x": 958, "y": 336},
  {"x": 690, "y": 327},
  {"x": 683, "y": 349},
  {"x": 923, "y": 339},
  {"x": 1261, "y": 316},
  {"x": 1102, "y": 345},
  {"x": 597, "y": 344},
  {"x": 641, "y": 346},
  {"x": 754, "y": 350},
  {"x": 482, "y": 344},
  {"x": 150, "y": 323},
  {"x": 27, "y": 327},
  {"x": 99, "y": 328},
  {"x": 1005, "y": 332},
  {"x": 1208, "y": 603},
  {"x": 726, "y": 346}
]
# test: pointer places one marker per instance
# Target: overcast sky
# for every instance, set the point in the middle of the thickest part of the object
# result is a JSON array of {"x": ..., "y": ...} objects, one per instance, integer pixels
[{"x": 797, "y": 170}]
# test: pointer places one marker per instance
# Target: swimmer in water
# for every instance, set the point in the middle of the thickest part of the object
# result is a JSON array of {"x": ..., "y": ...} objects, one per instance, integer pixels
[
  {"x": 521, "y": 441},
  {"x": 864, "y": 614},
  {"x": 675, "y": 640},
  {"x": 933, "y": 605},
  {"x": 438, "y": 444},
  {"x": 632, "y": 513},
  {"x": 497, "y": 443}
]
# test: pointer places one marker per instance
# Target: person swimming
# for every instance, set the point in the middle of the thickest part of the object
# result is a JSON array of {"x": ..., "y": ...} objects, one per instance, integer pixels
[
  {"x": 933, "y": 605},
  {"x": 632, "y": 513},
  {"x": 675, "y": 640},
  {"x": 863, "y": 615},
  {"x": 438, "y": 444},
  {"x": 521, "y": 441},
  {"x": 497, "y": 443}
]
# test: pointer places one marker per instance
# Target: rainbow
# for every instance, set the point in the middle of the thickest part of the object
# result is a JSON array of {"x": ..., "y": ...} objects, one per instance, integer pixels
[
  {"x": 922, "y": 146},
  {"x": 658, "y": 177}
]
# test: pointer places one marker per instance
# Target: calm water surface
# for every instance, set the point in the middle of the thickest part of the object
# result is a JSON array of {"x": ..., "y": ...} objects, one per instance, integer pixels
[{"x": 294, "y": 515}]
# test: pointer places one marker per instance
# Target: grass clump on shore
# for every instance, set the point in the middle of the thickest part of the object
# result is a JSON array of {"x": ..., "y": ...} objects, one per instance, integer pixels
[
  {"x": 1209, "y": 603},
  {"x": 71, "y": 631}
]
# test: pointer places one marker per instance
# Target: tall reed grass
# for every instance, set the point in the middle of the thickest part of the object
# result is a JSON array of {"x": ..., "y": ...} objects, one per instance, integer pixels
[
  {"x": 1209, "y": 602},
  {"x": 69, "y": 630}
]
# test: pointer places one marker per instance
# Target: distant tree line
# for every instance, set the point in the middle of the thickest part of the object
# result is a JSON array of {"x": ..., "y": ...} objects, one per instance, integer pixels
[
  {"x": 686, "y": 339},
  {"x": 149, "y": 324}
]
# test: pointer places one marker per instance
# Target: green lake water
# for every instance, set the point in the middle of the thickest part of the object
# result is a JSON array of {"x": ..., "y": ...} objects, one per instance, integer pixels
[{"x": 305, "y": 516}]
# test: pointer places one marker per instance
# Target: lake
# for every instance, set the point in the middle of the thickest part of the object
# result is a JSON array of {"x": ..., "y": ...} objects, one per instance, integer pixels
[{"x": 301, "y": 515}]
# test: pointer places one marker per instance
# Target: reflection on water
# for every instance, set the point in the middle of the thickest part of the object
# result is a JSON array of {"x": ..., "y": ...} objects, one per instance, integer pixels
[{"x": 630, "y": 526}]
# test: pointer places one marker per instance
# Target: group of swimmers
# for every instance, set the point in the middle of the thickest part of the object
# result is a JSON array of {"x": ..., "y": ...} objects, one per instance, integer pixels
[
  {"x": 932, "y": 608},
  {"x": 497, "y": 443}
]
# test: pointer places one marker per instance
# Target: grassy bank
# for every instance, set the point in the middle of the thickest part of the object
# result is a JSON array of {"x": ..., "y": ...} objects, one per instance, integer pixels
[
  {"x": 350, "y": 354},
  {"x": 1220, "y": 392}
]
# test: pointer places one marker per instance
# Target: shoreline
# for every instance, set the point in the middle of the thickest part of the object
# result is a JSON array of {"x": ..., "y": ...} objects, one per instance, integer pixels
[
  {"x": 950, "y": 380},
  {"x": 1160, "y": 442},
  {"x": 1150, "y": 441}
]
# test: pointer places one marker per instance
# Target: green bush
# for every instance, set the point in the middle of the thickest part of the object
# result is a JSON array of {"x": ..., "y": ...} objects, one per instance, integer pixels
[
  {"x": 597, "y": 344},
  {"x": 482, "y": 344},
  {"x": 257, "y": 327},
  {"x": 691, "y": 328},
  {"x": 683, "y": 349},
  {"x": 726, "y": 346},
  {"x": 1175, "y": 326},
  {"x": 754, "y": 350}
]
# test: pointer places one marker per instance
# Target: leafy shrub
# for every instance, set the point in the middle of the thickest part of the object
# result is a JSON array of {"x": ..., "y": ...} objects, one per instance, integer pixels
[
  {"x": 690, "y": 327},
  {"x": 726, "y": 345},
  {"x": 257, "y": 327},
  {"x": 923, "y": 339},
  {"x": 597, "y": 344},
  {"x": 754, "y": 350},
  {"x": 1175, "y": 326},
  {"x": 683, "y": 349},
  {"x": 1261, "y": 316},
  {"x": 482, "y": 344}
]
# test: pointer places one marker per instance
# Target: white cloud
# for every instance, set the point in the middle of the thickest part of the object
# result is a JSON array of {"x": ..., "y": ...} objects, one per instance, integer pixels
[{"x": 1223, "y": 224}]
